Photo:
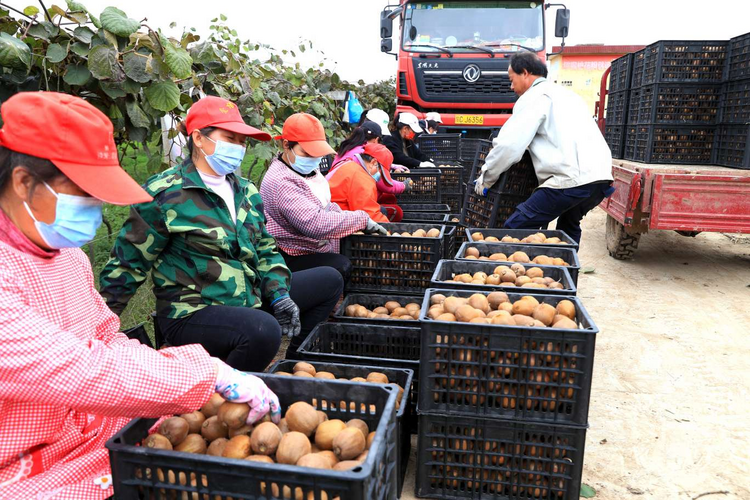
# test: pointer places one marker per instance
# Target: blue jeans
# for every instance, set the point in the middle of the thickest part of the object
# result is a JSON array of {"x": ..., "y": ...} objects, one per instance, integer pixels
[{"x": 567, "y": 205}]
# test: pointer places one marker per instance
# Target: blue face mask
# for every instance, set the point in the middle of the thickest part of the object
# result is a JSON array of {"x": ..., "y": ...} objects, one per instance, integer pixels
[
  {"x": 377, "y": 176},
  {"x": 76, "y": 220},
  {"x": 227, "y": 157},
  {"x": 304, "y": 165}
]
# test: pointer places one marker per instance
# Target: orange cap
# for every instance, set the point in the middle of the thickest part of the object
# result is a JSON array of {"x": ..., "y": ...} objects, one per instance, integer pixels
[{"x": 308, "y": 132}]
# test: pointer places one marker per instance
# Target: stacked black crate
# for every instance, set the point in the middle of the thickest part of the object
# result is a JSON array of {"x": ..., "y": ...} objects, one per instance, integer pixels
[
  {"x": 617, "y": 104},
  {"x": 734, "y": 132}
]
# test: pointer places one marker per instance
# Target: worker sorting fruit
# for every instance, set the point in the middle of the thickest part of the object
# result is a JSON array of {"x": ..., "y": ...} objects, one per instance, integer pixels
[
  {"x": 68, "y": 379},
  {"x": 401, "y": 142}
]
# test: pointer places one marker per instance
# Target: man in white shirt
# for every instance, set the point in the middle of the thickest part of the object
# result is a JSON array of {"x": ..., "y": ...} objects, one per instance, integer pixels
[{"x": 572, "y": 161}]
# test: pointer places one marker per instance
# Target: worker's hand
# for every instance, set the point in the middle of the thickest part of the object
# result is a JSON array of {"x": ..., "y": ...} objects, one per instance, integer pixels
[
  {"x": 427, "y": 164},
  {"x": 399, "y": 169},
  {"x": 240, "y": 387},
  {"x": 286, "y": 313},
  {"x": 479, "y": 188},
  {"x": 408, "y": 185},
  {"x": 375, "y": 228}
]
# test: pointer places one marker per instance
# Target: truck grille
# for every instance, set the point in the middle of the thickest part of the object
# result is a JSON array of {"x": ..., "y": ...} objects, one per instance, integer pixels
[{"x": 456, "y": 85}]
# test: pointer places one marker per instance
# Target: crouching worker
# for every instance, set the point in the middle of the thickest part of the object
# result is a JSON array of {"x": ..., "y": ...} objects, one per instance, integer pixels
[
  {"x": 297, "y": 201},
  {"x": 218, "y": 278},
  {"x": 68, "y": 379}
]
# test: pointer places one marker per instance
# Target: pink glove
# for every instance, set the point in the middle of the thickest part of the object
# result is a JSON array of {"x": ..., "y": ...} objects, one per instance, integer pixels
[{"x": 240, "y": 387}]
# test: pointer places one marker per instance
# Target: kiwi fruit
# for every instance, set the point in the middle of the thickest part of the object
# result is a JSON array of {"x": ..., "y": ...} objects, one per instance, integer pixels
[
  {"x": 446, "y": 317},
  {"x": 211, "y": 407},
  {"x": 325, "y": 375},
  {"x": 213, "y": 429},
  {"x": 175, "y": 429},
  {"x": 505, "y": 306},
  {"x": 521, "y": 257},
  {"x": 419, "y": 233},
  {"x": 566, "y": 323},
  {"x": 292, "y": 447},
  {"x": 471, "y": 251},
  {"x": 566, "y": 308},
  {"x": 399, "y": 311},
  {"x": 330, "y": 457},
  {"x": 531, "y": 298},
  {"x": 305, "y": 367},
  {"x": 346, "y": 465},
  {"x": 381, "y": 310},
  {"x": 524, "y": 307},
  {"x": 497, "y": 298},
  {"x": 359, "y": 424},
  {"x": 377, "y": 378},
  {"x": 314, "y": 461},
  {"x": 234, "y": 415},
  {"x": 493, "y": 279},
  {"x": 245, "y": 430},
  {"x": 499, "y": 257},
  {"x": 464, "y": 278},
  {"x": 480, "y": 301},
  {"x": 466, "y": 313},
  {"x": 392, "y": 305},
  {"x": 503, "y": 319},
  {"x": 434, "y": 312},
  {"x": 523, "y": 320},
  {"x": 508, "y": 276},
  {"x": 350, "y": 310},
  {"x": 193, "y": 443},
  {"x": 237, "y": 447},
  {"x": 370, "y": 439},
  {"x": 477, "y": 236},
  {"x": 522, "y": 280},
  {"x": 304, "y": 374},
  {"x": 194, "y": 420},
  {"x": 544, "y": 313},
  {"x": 451, "y": 304},
  {"x": 260, "y": 458},
  {"x": 438, "y": 298},
  {"x": 302, "y": 417},
  {"x": 534, "y": 272},
  {"x": 433, "y": 233},
  {"x": 325, "y": 433},
  {"x": 158, "y": 442},
  {"x": 349, "y": 443},
  {"x": 216, "y": 448},
  {"x": 519, "y": 269},
  {"x": 357, "y": 379}
]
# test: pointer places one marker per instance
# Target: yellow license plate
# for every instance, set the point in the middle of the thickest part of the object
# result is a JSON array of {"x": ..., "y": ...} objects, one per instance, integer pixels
[{"x": 469, "y": 120}]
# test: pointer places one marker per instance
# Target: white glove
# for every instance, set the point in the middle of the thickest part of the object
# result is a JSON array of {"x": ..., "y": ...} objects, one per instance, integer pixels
[
  {"x": 427, "y": 164},
  {"x": 240, "y": 387},
  {"x": 479, "y": 185},
  {"x": 375, "y": 228}
]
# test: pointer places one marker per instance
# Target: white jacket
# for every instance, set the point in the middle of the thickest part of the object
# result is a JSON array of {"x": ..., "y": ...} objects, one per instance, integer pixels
[{"x": 556, "y": 126}]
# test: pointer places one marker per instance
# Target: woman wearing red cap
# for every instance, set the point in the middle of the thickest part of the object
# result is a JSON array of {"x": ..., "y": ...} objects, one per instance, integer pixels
[
  {"x": 297, "y": 201},
  {"x": 354, "y": 183},
  {"x": 219, "y": 279},
  {"x": 68, "y": 379}
]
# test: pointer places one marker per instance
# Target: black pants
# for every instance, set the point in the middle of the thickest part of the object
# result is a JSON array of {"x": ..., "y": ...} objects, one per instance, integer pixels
[
  {"x": 248, "y": 339},
  {"x": 339, "y": 262}
]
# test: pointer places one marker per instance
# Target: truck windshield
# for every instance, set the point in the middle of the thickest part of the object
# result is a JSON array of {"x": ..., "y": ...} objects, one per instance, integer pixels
[{"x": 501, "y": 26}]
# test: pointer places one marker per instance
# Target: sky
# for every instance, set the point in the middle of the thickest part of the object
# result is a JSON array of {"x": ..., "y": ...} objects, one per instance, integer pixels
[{"x": 346, "y": 32}]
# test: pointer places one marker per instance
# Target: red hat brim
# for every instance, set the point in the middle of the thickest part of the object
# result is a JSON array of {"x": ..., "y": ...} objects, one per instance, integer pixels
[
  {"x": 244, "y": 129},
  {"x": 110, "y": 184},
  {"x": 317, "y": 148}
]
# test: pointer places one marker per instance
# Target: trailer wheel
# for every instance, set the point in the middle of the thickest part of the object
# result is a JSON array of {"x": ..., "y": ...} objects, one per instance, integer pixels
[{"x": 620, "y": 244}]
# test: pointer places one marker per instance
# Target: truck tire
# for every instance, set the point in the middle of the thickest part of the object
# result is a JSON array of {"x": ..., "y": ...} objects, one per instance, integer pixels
[{"x": 620, "y": 244}]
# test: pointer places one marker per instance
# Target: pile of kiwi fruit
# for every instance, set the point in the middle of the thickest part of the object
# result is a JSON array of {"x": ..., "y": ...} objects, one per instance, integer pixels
[
  {"x": 514, "y": 276},
  {"x": 390, "y": 310},
  {"x": 473, "y": 253},
  {"x": 419, "y": 233},
  {"x": 535, "y": 239},
  {"x": 497, "y": 309}
]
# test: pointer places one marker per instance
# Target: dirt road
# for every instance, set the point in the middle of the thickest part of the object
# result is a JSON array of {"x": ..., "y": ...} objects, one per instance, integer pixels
[{"x": 670, "y": 409}]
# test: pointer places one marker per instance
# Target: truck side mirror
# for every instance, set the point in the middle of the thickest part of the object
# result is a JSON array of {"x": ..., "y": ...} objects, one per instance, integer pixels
[
  {"x": 562, "y": 23},
  {"x": 386, "y": 24},
  {"x": 386, "y": 45}
]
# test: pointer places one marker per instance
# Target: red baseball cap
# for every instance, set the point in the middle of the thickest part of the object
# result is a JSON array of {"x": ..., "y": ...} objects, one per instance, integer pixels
[
  {"x": 307, "y": 130},
  {"x": 73, "y": 135},
  {"x": 217, "y": 112},
  {"x": 384, "y": 157}
]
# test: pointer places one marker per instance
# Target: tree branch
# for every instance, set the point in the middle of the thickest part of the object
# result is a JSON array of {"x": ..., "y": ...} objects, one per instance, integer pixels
[{"x": 46, "y": 12}]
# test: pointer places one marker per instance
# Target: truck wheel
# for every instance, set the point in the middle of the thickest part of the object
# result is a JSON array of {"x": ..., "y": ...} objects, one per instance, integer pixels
[{"x": 620, "y": 244}]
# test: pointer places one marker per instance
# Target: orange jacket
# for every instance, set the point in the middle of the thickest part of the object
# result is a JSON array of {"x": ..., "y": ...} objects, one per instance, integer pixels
[{"x": 354, "y": 189}]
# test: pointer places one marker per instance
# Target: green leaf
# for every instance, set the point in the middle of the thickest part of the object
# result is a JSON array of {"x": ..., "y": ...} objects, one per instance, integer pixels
[
  {"x": 318, "y": 109},
  {"x": 164, "y": 96},
  {"x": 588, "y": 270},
  {"x": 587, "y": 491},
  {"x": 57, "y": 11},
  {"x": 103, "y": 64},
  {"x": 223, "y": 17},
  {"x": 44, "y": 30},
  {"x": 131, "y": 87},
  {"x": 83, "y": 33},
  {"x": 56, "y": 52},
  {"x": 110, "y": 37},
  {"x": 81, "y": 49},
  {"x": 178, "y": 59},
  {"x": 135, "y": 67},
  {"x": 79, "y": 17},
  {"x": 136, "y": 115},
  {"x": 77, "y": 75},
  {"x": 95, "y": 21},
  {"x": 116, "y": 21},
  {"x": 113, "y": 90},
  {"x": 302, "y": 48},
  {"x": 74, "y": 6},
  {"x": 188, "y": 39},
  {"x": 136, "y": 134},
  {"x": 14, "y": 53},
  {"x": 31, "y": 11},
  {"x": 142, "y": 40}
]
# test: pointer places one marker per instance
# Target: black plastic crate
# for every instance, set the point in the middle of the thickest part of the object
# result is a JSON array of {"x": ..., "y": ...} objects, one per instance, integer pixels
[
  {"x": 684, "y": 61},
  {"x": 683, "y": 144},
  {"x": 615, "y": 137},
  {"x": 731, "y": 146},
  {"x": 450, "y": 242},
  {"x": 676, "y": 103},
  {"x": 507, "y": 372},
  {"x": 473, "y": 150},
  {"x": 617, "y": 107},
  {"x": 447, "y": 269},
  {"x": 455, "y": 201},
  {"x": 569, "y": 255},
  {"x": 136, "y": 469},
  {"x": 738, "y": 59},
  {"x": 463, "y": 457},
  {"x": 567, "y": 241},
  {"x": 431, "y": 208},
  {"x": 405, "y": 419},
  {"x": 424, "y": 217},
  {"x": 452, "y": 179},
  {"x": 371, "y": 301},
  {"x": 402, "y": 265},
  {"x": 426, "y": 186},
  {"x": 735, "y": 107},
  {"x": 440, "y": 147},
  {"x": 620, "y": 73},
  {"x": 639, "y": 63}
]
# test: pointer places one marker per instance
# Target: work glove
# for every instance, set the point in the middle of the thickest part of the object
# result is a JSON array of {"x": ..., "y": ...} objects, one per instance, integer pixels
[
  {"x": 375, "y": 228},
  {"x": 399, "y": 169},
  {"x": 479, "y": 188},
  {"x": 408, "y": 185},
  {"x": 286, "y": 313},
  {"x": 240, "y": 387},
  {"x": 427, "y": 164}
]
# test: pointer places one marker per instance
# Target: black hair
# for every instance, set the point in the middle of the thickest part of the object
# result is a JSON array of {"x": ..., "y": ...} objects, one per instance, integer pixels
[
  {"x": 183, "y": 130},
  {"x": 367, "y": 157},
  {"x": 528, "y": 61},
  {"x": 395, "y": 126},
  {"x": 433, "y": 124},
  {"x": 359, "y": 137},
  {"x": 41, "y": 170}
]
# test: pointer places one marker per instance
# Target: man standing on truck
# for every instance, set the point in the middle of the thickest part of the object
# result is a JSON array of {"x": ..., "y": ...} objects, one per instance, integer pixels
[{"x": 572, "y": 161}]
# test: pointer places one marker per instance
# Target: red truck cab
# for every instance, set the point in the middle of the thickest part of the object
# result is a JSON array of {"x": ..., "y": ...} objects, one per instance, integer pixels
[{"x": 453, "y": 57}]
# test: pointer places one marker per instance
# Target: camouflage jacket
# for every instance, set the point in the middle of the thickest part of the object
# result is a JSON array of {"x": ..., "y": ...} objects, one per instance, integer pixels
[{"x": 197, "y": 255}]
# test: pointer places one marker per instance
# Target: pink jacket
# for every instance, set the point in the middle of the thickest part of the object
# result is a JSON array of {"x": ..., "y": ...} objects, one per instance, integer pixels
[
  {"x": 398, "y": 187},
  {"x": 68, "y": 380}
]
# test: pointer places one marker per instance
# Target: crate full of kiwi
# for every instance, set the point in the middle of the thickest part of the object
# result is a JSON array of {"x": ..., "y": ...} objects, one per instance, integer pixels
[
  {"x": 336, "y": 440},
  {"x": 401, "y": 262},
  {"x": 506, "y": 355},
  {"x": 547, "y": 238}
]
